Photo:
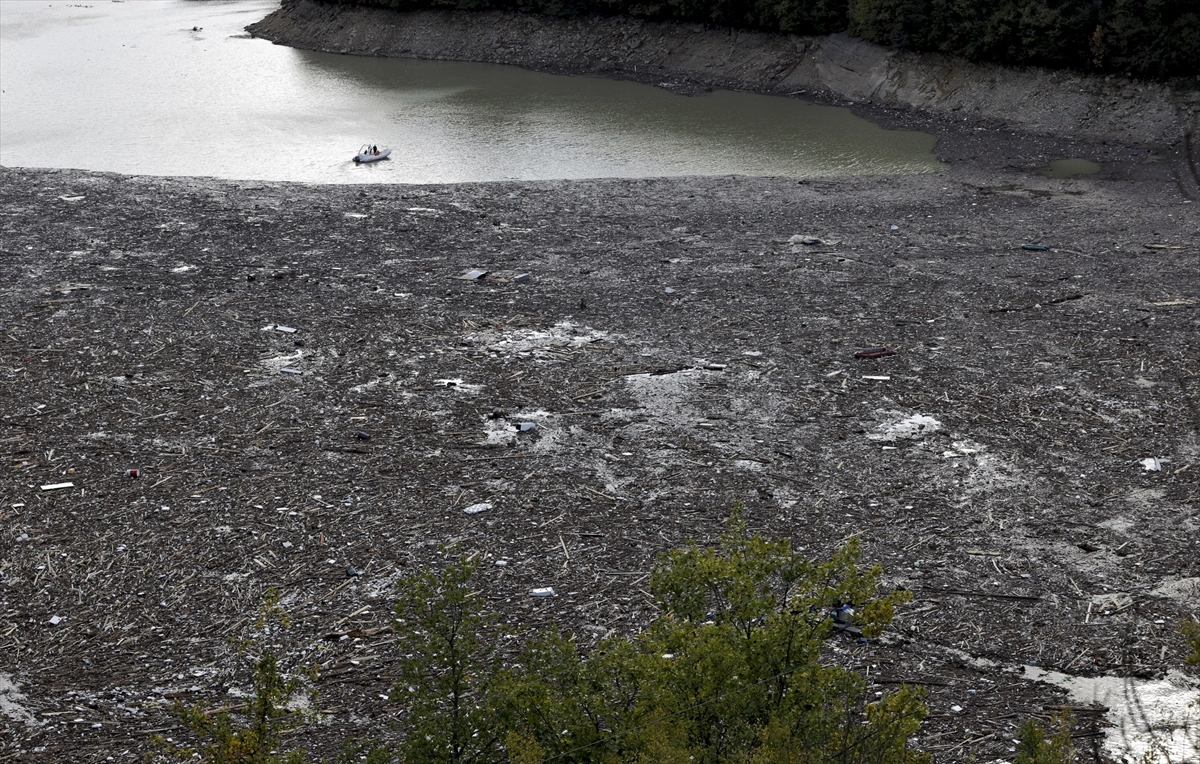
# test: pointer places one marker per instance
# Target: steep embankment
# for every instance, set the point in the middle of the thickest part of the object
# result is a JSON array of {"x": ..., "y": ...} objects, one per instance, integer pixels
[{"x": 690, "y": 57}]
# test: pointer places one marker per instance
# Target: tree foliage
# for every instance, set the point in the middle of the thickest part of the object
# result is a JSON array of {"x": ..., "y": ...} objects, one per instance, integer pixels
[
  {"x": 250, "y": 733},
  {"x": 1191, "y": 633},
  {"x": 1156, "y": 39},
  {"x": 730, "y": 671},
  {"x": 443, "y": 676},
  {"x": 1034, "y": 746}
]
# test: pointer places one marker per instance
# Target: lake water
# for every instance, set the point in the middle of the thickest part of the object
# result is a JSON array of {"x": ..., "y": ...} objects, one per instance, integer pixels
[{"x": 131, "y": 87}]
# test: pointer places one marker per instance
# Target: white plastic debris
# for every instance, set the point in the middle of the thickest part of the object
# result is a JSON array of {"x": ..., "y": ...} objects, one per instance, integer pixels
[
  {"x": 290, "y": 370},
  {"x": 546, "y": 591},
  {"x": 1150, "y": 464},
  {"x": 57, "y": 486},
  {"x": 956, "y": 709},
  {"x": 475, "y": 509},
  {"x": 899, "y": 427},
  {"x": 55, "y": 620},
  {"x": 883, "y": 379},
  {"x": 285, "y": 329}
]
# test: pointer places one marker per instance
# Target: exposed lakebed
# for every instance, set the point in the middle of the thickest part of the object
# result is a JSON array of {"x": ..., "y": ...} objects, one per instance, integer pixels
[{"x": 680, "y": 349}]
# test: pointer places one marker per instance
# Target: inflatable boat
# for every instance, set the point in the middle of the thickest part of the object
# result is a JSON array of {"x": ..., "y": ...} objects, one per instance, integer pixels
[{"x": 371, "y": 153}]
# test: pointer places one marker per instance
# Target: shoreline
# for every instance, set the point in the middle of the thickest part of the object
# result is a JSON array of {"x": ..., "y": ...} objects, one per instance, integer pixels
[
  {"x": 690, "y": 59},
  {"x": 989, "y": 117}
]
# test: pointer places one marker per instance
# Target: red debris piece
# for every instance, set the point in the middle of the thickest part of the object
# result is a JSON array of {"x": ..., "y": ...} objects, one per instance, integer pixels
[
  {"x": 132, "y": 473},
  {"x": 874, "y": 353}
]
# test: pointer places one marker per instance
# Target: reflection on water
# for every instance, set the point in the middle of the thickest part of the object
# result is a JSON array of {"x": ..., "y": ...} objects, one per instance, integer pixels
[
  {"x": 1069, "y": 168},
  {"x": 130, "y": 87}
]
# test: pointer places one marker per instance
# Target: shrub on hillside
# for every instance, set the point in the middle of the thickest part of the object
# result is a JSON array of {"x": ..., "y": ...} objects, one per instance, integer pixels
[{"x": 730, "y": 670}]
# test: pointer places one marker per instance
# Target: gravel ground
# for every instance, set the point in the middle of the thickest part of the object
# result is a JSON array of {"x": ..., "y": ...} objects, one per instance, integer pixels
[{"x": 305, "y": 387}]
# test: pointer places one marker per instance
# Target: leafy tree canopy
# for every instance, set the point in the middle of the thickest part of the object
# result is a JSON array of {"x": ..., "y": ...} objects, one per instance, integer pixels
[{"x": 1155, "y": 39}]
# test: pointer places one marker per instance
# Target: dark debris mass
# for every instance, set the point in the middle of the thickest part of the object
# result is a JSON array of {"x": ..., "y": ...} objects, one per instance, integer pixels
[{"x": 992, "y": 464}]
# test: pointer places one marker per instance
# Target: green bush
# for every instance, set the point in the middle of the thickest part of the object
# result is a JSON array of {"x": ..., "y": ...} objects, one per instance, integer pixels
[
  {"x": 1034, "y": 747},
  {"x": 249, "y": 733},
  {"x": 444, "y": 674},
  {"x": 1191, "y": 633},
  {"x": 729, "y": 671}
]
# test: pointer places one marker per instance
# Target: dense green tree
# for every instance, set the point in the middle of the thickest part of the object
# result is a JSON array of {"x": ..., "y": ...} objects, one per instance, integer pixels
[
  {"x": 1157, "y": 39},
  {"x": 1148, "y": 38},
  {"x": 443, "y": 676},
  {"x": 730, "y": 670}
]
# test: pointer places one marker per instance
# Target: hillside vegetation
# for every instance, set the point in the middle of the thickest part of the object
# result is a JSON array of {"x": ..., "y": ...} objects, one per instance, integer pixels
[{"x": 1153, "y": 39}]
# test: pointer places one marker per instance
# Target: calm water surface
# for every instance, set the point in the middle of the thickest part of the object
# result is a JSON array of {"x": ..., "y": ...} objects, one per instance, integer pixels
[
  {"x": 130, "y": 87},
  {"x": 1069, "y": 168}
]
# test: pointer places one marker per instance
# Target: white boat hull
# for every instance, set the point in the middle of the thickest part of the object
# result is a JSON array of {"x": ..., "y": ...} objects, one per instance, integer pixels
[{"x": 372, "y": 157}]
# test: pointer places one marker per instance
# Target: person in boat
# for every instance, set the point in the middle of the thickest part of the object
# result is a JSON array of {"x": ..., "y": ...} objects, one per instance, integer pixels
[{"x": 375, "y": 150}]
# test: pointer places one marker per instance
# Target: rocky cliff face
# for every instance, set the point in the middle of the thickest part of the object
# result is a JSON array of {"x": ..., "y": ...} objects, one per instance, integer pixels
[{"x": 691, "y": 57}]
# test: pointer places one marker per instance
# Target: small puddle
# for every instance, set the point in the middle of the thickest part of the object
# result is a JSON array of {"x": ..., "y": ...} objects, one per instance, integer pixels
[
  {"x": 1154, "y": 719},
  {"x": 1069, "y": 168}
]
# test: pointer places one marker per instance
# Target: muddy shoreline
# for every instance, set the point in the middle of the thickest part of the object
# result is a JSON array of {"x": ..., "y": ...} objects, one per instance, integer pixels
[
  {"x": 991, "y": 117},
  {"x": 691, "y": 58},
  {"x": 144, "y": 329}
]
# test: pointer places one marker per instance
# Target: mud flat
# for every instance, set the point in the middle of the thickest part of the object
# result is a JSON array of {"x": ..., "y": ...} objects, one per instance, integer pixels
[{"x": 679, "y": 350}]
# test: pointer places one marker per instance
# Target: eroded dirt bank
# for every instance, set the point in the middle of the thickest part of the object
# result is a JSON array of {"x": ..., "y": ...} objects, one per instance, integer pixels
[
  {"x": 690, "y": 57},
  {"x": 993, "y": 465}
]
